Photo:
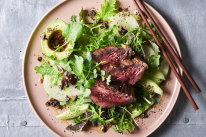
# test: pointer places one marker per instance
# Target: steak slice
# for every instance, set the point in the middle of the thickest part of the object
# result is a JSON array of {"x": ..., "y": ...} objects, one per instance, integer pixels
[
  {"x": 126, "y": 70},
  {"x": 112, "y": 54},
  {"x": 111, "y": 95}
]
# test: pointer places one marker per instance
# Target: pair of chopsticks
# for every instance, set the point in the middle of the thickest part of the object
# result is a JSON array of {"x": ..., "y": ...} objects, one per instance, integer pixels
[{"x": 144, "y": 12}]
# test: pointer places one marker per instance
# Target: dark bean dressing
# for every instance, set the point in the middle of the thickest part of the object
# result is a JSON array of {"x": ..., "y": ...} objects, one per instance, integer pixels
[{"x": 56, "y": 40}]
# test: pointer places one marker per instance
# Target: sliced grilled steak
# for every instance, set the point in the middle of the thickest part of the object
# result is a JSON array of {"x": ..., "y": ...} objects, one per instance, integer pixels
[
  {"x": 137, "y": 75},
  {"x": 112, "y": 54},
  {"x": 126, "y": 70},
  {"x": 111, "y": 95}
]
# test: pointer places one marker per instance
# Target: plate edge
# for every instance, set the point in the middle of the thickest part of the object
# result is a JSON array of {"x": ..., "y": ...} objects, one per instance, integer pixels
[{"x": 27, "y": 46}]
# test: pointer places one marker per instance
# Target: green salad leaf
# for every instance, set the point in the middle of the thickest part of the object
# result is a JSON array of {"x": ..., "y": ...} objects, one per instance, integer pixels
[
  {"x": 46, "y": 70},
  {"x": 153, "y": 61},
  {"x": 155, "y": 47},
  {"x": 65, "y": 64},
  {"x": 107, "y": 9},
  {"x": 78, "y": 66},
  {"x": 49, "y": 69},
  {"x": 108, "y": 79},
  {"x": 66, "y": 31},
  {"x": 135, "y": 37},
  {"x": 74, "y": 31},
  {"x": 119, "y": 116},
  {"x": 81, "y": 15}
]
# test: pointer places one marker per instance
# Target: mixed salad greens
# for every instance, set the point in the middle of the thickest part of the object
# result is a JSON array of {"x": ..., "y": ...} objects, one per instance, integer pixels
[{"x": 68, "y": 49}]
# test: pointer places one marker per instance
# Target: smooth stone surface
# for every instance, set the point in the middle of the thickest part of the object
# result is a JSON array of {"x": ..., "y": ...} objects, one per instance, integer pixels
[{"x": 19, "y": 17}]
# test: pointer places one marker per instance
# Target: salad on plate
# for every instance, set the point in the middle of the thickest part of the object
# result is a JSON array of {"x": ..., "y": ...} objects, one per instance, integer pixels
[{"x": 102, "y": 69}]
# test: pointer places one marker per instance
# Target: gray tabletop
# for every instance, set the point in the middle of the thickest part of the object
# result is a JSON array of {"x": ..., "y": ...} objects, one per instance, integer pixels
[{"x": 18, "y": 18}]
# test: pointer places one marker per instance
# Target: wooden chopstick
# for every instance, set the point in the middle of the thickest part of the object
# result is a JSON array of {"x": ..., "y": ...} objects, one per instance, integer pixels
[
  {"x": 167, "y": 58},
  {"x": 177, "y": 59}
]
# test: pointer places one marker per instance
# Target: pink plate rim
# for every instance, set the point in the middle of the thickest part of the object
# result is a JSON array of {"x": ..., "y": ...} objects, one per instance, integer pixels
[{"x": 24, "y": 69}]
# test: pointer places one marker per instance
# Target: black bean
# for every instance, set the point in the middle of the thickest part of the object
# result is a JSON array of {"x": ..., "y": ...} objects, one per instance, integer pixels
[
  {"x": 39, "y": 59},
  {"x": 63, "y": 83},
  {"x": 92, "y": 13},
  {"x": 104, "y": 25},
  {"x": 72, "y": 78},
  {"x": 67, "y": 99},
  {"x": 44, "y": 37},
  {"x": 123, "y": 31},
  {"x": 98, "y": 21},
  {"x": 54, "y": 103},
  {"x": 75, "y": 98}
]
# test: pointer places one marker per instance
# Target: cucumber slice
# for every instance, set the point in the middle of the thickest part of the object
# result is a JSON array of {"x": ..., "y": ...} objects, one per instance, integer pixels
[
  {"x": 151, "y": 50},
  {"x": 148, "y": 50},
  {"x": 150, "y": 85},
  {"x": 154, "y": 47},
  {"x": 164, "y": 67},
  {"x": 71, "y": 91},
  {"x": 58, "y": 94},
  {"x": 53, "y": 91},
  {"x": 72, "y": 114},
  {"x": 124, "y": 20}
]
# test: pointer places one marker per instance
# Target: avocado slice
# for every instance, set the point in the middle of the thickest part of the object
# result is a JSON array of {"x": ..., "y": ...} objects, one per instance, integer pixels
[
  {"x": 156, "y": 75},
  {"x": 150, "y": 85},
  {"x": 75, "y": 113},
  {"x": 136, "y": 112},
  {"x": 52, "y": 39}
]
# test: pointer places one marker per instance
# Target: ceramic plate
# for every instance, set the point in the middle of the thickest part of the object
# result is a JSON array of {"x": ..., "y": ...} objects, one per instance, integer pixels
[{"x": 37, "y": 96}]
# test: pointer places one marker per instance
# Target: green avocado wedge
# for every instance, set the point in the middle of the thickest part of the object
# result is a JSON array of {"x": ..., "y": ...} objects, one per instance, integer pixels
[
  {"x": 150, "y": 85},
  {"x": 136, "y": 112},
  {"x": 72, "y": 114},
  {"x": 156, "y": 75},
  {"x": 52, "y": 40}
]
